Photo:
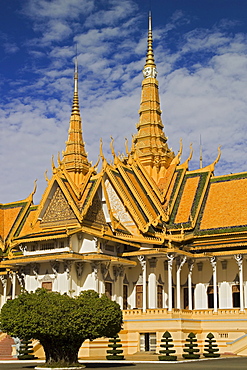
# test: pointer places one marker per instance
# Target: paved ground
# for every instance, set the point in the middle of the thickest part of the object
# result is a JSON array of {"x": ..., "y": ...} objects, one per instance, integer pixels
[{"x": 224, "y": 363}]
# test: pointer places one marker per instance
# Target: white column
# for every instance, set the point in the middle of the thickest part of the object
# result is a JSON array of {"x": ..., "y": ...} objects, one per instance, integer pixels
[
  {"x": 239, "y": 260},
  {"x": 152, "y": 286},
  {"x": 170, "y": 258},
  {"x": 4, "y": 283},
  {"x": 120, "y": 291},
  {"x": 213, "y": 264},
  {"x": 118, "y": 272},
  {"x": 13, "y": 281},
  {"x": 190, "y": 265},
  {"x": 67, "y": 269},
  {"x": 180, "y": 263},
  {"x": 144, "y": 275},
  {"x": 95, "y": 270}
]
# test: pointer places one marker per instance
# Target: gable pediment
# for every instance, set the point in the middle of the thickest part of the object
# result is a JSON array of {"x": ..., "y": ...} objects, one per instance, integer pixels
[
  {"x": 95, "y": 214},
  {"x": 58, "y": 211}
]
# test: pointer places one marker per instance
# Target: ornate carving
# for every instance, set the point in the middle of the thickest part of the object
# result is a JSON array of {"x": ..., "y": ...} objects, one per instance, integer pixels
[
  {"x": 67, "y": 264},
  {"x": 35, "y": 268},
  {"x": 239, "y": 260},
  {"x": 21, "y": 277},
  {"x": 95, "y": 269},
  {"x": 12, "y": 276},
  {"x": 58, "y": 209},
  {"x": 180, "y": 262},
  {"x": 104, "y": 268},
  {"x": 118, "y": 209},
  {"x": 142, "y": 261},
  {"x": 213, "y": 263},
  {"x": 3, "y": 281},
  {"x": 55, "y": 267},
  {"x": 23, "y": 248},
  {"x": 79, "y": 266},
  {"x": 170, "y": 258},
  {"x": 118, "y": 270},
  {"x": 95, "y": 212}
]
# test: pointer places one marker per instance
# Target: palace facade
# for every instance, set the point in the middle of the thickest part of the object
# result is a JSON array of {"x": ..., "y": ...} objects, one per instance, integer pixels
[{"x": 168, "y": 244}]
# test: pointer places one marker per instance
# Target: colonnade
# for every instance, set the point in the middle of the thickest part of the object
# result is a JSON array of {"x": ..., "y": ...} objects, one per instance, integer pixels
[{"x": 180, "y": 261}]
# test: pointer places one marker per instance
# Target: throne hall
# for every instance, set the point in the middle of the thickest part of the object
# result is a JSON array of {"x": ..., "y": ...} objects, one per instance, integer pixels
[{"x": 167, "y": 243}]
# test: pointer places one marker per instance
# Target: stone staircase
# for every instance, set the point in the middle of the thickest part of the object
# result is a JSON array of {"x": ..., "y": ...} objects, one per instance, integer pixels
[{"x": 6, "y": 348}]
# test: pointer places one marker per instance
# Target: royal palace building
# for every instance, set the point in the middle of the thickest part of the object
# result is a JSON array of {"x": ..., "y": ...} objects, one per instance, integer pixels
[{"x": 168, "y": 244}]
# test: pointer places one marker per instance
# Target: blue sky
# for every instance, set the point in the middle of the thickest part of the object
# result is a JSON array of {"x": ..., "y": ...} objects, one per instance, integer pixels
[{"x": 201, "y": 55}]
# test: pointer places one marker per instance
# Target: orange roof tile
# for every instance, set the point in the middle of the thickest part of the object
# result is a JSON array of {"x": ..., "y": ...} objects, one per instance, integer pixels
[
  {"x": 29, "y": 225},
  {"x": 225, "y": 205},
  {"x": 10, "y": 215},
  {"x": 185, "y": 204}
]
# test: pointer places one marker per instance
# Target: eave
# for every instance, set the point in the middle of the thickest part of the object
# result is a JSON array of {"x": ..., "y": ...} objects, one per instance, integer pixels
[{"x": 87, "y": 257}]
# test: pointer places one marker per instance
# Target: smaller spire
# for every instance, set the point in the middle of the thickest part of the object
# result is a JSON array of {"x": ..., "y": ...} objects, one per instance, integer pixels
[
  {"x": 75, "y": 157},
  {"x": 150, "y": 66}
]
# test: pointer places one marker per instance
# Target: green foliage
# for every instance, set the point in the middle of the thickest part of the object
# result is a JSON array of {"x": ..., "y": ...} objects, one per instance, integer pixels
[
  {"x": 211, "y": 347},
  {"x": 59, "y": 322},
  {"x": 26, "y": 350},
  {"x": 115, "y": 352},
  {"x": 191, "y": 347},
  {"x": 166, "y": 342}
]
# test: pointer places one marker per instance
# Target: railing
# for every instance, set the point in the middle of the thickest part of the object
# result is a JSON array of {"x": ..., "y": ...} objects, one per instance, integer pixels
[{"x": 184, "y": 313}]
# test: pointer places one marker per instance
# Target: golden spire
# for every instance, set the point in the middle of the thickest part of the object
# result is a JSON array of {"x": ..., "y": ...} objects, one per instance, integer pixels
[
  {"x": 150, "y": 142},
  {"x": 75, "y": 157}
]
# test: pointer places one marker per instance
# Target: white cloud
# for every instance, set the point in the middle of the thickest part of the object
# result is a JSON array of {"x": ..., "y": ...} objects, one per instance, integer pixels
[{"x": 58, "y": 9}]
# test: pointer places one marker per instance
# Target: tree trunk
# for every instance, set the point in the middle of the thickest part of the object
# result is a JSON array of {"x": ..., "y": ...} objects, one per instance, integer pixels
[{"x": 59, "y": 350}]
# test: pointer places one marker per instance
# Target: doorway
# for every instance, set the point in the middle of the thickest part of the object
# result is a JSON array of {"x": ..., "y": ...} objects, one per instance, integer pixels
[{"x": 147, "y": 342}]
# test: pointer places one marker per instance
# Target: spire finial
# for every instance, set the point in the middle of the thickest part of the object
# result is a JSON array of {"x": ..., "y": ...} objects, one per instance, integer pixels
[
  {"x": 150, "y": 67},
  {"x": 75, "y": 106},
  {"x": 150, "y": 21}
]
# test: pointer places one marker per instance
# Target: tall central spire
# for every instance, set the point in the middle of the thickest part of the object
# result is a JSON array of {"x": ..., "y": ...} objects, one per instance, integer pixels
[
  {"x": 75, "y": 157},
  {"x": 150, "y": 142}
]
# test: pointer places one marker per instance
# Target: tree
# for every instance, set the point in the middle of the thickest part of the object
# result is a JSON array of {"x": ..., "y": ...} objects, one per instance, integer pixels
[
  {"x": 59, "y": 322},
  {"x": 166, "y": 343},
  {"x": 211, "y": 347},
  {"x": 191, "y": 347},
  {"x": 115, "y": 353}
]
